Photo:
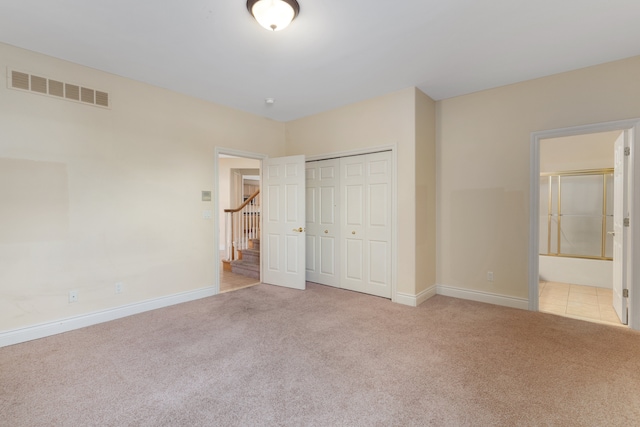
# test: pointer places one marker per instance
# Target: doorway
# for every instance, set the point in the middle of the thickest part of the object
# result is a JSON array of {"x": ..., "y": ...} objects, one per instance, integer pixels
[
  {"x": 237, "y": 230},
  {"x": 576, "y": 227},
  {"x": 575, "y": 242}
]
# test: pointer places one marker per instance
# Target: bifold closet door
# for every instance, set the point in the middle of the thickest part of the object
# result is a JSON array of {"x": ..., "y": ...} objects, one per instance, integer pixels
[
  {"x": 365, "y": 183},
  {"x": 323, "y": 227}
]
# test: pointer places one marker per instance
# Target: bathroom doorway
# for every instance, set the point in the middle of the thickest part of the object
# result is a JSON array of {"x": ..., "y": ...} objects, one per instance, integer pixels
[{"x": 572, "y": 257}]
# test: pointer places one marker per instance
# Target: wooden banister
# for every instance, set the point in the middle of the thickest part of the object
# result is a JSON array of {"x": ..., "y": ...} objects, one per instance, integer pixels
[
  {"x": 243, "y": 224},
  {"x": 246, "y": 202}
]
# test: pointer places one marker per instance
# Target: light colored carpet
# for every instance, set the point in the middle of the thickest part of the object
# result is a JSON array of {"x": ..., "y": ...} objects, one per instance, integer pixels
[{"x": 266, "y": 355}]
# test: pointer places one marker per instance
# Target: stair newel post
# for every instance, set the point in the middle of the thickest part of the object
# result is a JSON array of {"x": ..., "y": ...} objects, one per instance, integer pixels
[
  {"x": 251, "y": 214},
  {"x": 230, "y": 242},
  {"x": 245, "y": 218},
  {"x": 245, "y": 221},
  {"x": 227, "y": 236},
  {"x": 235, "y": 233}
]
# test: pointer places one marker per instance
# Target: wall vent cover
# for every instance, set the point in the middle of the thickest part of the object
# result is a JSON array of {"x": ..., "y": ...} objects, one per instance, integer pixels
[{"x": 55, "y": 88}]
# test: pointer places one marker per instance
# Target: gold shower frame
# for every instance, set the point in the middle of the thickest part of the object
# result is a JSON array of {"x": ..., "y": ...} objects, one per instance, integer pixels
[{"x": 604, "y": 173}]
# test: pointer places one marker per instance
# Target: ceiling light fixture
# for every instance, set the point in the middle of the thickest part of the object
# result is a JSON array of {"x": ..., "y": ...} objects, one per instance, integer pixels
[{"x": 274, "y": 15}]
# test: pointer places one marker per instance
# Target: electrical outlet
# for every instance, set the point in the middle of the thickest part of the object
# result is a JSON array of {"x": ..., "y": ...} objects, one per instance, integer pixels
[
  {"x": 73, "y": 296},
  {"x": 119, "y": 287},
  {"x": 489, "y": 276}
]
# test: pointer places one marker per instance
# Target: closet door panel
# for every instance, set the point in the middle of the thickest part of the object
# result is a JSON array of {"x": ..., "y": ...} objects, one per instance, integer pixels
[
  {"x": 327, "y": 207},
  {"x": 379, "y": 226},
  {"x": 366, "y": 226},
  {"x": 311, "y": 256},
  {"x": 323, "y": 224},
  {"x": 311, "y": 224},
  {"x": 353, "y": 183},
  {"x": 354, "y": 209},
  {"x": 378, "y": 271},
  {"x": 353, "y": 263},
  {"x": 328, "y": 256},
  {"x": 378, "y": 196}
]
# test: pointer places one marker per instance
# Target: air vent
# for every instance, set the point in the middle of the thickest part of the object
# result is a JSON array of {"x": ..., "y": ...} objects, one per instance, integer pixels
[
  {"x": 20, "y": 80},
  {"x": 102, "y": 98},
  {"x": 38, "y": 84},
  {"x": 72, "y": 92},
  {"x": 87, "y": 95},
  {"x": 58, "y": 89}
]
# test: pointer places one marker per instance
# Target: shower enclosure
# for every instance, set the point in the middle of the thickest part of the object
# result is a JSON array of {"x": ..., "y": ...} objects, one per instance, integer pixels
[{"x": 576, "y": 214}]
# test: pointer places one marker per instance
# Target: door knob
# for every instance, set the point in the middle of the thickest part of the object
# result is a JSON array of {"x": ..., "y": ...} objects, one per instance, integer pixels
[
  {"x": 353, "y": 232},
  {"x": 299, "y": 230},
  {"x": 613, "y": 233},
  {"x": 326, "y": 231}
]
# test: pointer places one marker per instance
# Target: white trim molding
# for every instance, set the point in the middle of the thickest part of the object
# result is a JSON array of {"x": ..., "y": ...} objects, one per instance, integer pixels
[
  {"x": 71, "y": 323},
  {"x": 415, "y": 300},
  {"x": 486, "y": 297}
]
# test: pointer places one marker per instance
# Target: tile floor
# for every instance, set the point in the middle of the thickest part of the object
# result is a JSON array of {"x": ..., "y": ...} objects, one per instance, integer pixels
[{"x": 579, "y": 302}]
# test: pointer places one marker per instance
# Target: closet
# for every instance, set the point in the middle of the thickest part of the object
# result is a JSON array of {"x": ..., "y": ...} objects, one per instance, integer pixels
[{"x": 348, "y": 225}]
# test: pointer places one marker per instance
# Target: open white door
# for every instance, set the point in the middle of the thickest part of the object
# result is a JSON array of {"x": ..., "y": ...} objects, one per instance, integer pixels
[
  {"x": 620, "y": 212},
  {"x": 283, "y": 184}
]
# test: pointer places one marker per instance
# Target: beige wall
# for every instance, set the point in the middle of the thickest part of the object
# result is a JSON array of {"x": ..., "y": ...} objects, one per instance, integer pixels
[
  {"x": 96, "y": 196},
  {"x": 389, "y": 119},
  {"x": 590, "y": 151},
  {"x": 483, "y": 166},
  {"x": 91, "y": 196},
  {"x": 425, "y": 166}
]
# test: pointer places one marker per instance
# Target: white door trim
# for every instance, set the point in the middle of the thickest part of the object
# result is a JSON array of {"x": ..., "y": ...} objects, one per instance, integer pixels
[
  {"x": 216, "y": 203},
  {"x": 394, "y": 202},
  {"x": 634, "y": 203}
]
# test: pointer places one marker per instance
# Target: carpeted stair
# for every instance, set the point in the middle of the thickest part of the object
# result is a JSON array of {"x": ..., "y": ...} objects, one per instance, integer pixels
[{"x": 249, "y": 263}]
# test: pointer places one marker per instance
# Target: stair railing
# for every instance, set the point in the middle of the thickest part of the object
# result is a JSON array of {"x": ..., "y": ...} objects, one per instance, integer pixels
[{"x": 241, "y": 225}]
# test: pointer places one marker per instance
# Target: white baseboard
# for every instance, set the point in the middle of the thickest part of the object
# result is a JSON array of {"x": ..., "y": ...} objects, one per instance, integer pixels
[
  {"x": 415, "y": 300},
  {"x": 17, "y": 336},
  {"x": 451, "y": 291}
]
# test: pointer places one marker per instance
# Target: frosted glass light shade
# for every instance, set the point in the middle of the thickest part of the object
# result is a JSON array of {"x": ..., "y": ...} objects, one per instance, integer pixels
[{"x": 274, "y": 15}]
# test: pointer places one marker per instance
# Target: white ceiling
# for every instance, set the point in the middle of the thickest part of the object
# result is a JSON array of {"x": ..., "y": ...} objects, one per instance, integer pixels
[{"x": 335, "y": 53}]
